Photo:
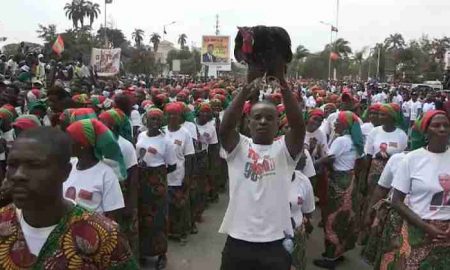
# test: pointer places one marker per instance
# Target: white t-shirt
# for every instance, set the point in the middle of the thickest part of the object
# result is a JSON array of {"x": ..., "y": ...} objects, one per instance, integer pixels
[
  {"x": 260, "y": 180},
  {"x": 183, "y": 146},
  {"x": 426, "y": 177},
  {"x": 366, "y": 128},
  {"x": 428, "y": 106},
  {"x": 387, "y": 176},
  {"x": 406, "y": 108},
  {"x": 207, "y": 134},
  {"x": 128, "y": 152},
  {"x": 157, "y": 151},
  {"x": 311, "y": 102},
  {"x": 397, "y": 99},
  {"x": 96, "y": 189},
  {"x": 416, "y": 109},
  {"x": 344, "y": 152},
  {"x": 301, "y": 198},
  {"x": 321, "y": 141},
  {"x": 191, "y": 129},
  {"x": 309, "y": 169},
  {"x": 135, "y": 119},
  {"x": 35, "y": 237},
  {"x": 389, "y": 142}
]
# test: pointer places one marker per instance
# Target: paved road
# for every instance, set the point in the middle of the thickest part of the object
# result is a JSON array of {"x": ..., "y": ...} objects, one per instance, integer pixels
[{"x": 203, "y": 251}]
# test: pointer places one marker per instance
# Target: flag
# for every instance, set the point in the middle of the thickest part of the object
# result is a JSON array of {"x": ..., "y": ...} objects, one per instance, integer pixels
[
  {"x": 58, "y": 46},
  {"x": 108, "y": 1},
  {"x": 334, "y": 56},
  {"x": 334, "y": 29},
  {"x": 165, "y": 32}
]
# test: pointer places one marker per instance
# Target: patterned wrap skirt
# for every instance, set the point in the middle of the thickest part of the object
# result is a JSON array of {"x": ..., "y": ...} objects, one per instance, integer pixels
[
  {"x": 299, "y": 253},
  {"x": 340, "y": 224},
  {"x": 180, "y": 209},
  {"x": 153, "y": 211},
  {"x": 414, "y": 250},
  {"x": 129, "y": 226},
  {"x": 199, "y": 187}
]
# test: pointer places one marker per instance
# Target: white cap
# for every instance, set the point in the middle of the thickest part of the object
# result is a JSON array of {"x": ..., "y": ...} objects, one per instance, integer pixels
[{"x": 40, "y": 55}]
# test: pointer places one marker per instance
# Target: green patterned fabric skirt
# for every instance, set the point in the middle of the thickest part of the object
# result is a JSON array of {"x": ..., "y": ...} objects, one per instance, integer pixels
[
  {"x": 153, "y": 211},
  {"x": 299, "y": 253},
  {"x": 340, "y": 224},
  {"x": 414, "y": 250},
  {"x": 371, "y": 251},
  {"x": 198, "y": 192},
  {"x": 129, "y": 225},
  {"x": 179, "y": 210}
]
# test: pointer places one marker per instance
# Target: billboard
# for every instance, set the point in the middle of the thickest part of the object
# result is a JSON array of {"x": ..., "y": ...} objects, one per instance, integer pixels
[
  {"x": 106, "y": 62},
  {"x": 215, "y": 50}
]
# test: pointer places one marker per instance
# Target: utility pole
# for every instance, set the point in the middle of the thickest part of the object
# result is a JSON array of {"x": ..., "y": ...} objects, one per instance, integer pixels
[
  {"x": 217, "y": 25},
  {"x": 378, "y": 62},
  {"x": 106, "y": 36}
]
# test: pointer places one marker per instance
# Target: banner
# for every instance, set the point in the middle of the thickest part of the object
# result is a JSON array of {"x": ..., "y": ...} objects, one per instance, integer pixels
[
  {"x": 58, "y": 46},
  {"x": 215, "y": 50},
  {"x": 106, "y": 62}
]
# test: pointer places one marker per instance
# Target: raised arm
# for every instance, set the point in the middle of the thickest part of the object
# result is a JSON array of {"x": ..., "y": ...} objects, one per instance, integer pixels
[
  {"x": 228, "y": 135},
  {"x": 295, "y": 137}
]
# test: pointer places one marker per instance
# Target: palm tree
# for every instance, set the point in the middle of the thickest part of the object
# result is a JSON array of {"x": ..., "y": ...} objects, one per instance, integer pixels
[
  {"x": 182, "y": 40},
  {"x": 301, "y": 52},
  {"x": 358, "y": 57},
  {"x": 76, "y": 11},
  {"x": 92, "y": 11},
  {"x": 342, "y": 47},
  {"x": 138, "y": 36},
  {"x": 47, "y": 33},
  {"x": 394, "y": 42},
  {"x": 155, "y": 39}
]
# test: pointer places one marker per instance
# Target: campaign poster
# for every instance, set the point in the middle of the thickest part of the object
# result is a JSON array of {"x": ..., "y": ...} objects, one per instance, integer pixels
[
  {"x": 106, "y": 62},
  {"x": 215, "y": 50}
]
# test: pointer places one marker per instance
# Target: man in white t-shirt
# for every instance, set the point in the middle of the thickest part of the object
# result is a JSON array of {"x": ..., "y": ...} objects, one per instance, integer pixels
[
  {"x": 260, "y": 170},
  {"x": 416, "y": 108}
]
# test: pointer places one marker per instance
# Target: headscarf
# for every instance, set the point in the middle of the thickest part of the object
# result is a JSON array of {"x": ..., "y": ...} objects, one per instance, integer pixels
[
  {"x": 82, "y": 113},
  {"x": 82, "y": 99},
  {"x": 351, "y": 126},
  {"x": 27, "y": 121},
  {"x": 116, "y": 120},
  {"x": 101, "y": 102},
  {"x": 174, "y": 107},
  {"x": 420, "y": 126},
  {"x": 8, "y": 113},
  {"x": 93, "y": 133},
  {"x": 371, "y": 108},
  {"x": 203, "y": 107},
  {"x": 152, "y": 112},
  {"x": 37, "y": 105},
  {"x": 314, "y": 112},
  {"x": 393, "y": 110},
  {"x": 64, "y": 117},
  {"x": 33, "y": 95}
]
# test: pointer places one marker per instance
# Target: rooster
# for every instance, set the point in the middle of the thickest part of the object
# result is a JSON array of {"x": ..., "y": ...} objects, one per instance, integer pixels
[{"x": 266, "y": 50}]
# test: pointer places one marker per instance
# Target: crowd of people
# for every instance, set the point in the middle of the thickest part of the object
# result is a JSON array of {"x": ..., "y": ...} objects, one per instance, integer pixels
[{"x": 104, "y": 173}]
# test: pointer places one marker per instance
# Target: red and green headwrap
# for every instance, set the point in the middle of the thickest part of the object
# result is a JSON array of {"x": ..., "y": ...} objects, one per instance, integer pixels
[
  {"x": 154, "y": 112},
  {"x": 146, "y": 104},
  {"x": 174, "y": 107},
  {"x": 314, "y": 112},
  {"x": 117, "y": 121},
  {"x": 64, "y": 118},
  {"x": 82, "y": 99},
  {"x": 97, "y": 100},
  {"x": 27, "y": 121},
  {"x": 420, "y": 127},
  {"x": 93, "y": 133},
  {"x": 204, "y": 107},
  {"x": 8, "y": 113},
  {"x": 82, "y": 113},
  {"x": 393, "y": 110},
  {"x": 372, "y": 108},
  {"x": 350, "y": 122}
]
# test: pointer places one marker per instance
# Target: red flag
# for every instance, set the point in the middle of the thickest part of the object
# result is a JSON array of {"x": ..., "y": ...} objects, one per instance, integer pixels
[
  {"x": 334, "y": 29},
  {"x": 58, "y": 46},
  {"x": 334, "y": 56}
]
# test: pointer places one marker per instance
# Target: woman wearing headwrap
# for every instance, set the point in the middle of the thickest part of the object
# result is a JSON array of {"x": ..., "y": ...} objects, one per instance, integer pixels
[
  {"x": 24, "y": 122},
  {"x": 93, "y": 183},
  {"x": 115, "y": 119},
  {"x": 156, "y": 158},
  {"x": 340, "y": 225},
  {"x": 100, "y": 103},
  {"x": 38, "y": 108},
  {"x": 382, "y": 142},
  {"x": 178, "y": 180},
  {"x": 206, "y": 160},
  {"x": 81, "y": 100},
  {"x": 370, "y": 118},
  {"x": 424, "y": 174}
]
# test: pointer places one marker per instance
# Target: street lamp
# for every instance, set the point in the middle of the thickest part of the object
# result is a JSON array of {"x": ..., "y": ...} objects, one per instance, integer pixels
[
  {"x": 331, "y": 46},
  {"x": 164, "y": 28}
]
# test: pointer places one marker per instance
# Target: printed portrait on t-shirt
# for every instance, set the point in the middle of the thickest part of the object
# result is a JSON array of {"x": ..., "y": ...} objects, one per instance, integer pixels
[
  {"x": 259, "y": 166},
  {"x": 442, "y": 198}
]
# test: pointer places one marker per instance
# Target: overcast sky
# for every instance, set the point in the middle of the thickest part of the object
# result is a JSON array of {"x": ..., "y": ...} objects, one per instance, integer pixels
[{"x": 362, "y": 22}]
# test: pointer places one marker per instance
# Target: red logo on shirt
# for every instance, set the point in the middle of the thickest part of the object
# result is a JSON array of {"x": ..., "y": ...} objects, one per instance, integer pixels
[
  {"x": 71, "y": 193},
  {"x": 299, "y": 200},
  {"x": 152, "y": 150},
  {"x": 178, "y": 142},
  {"x": 393, "y": 144},
  {"x": 85, "y": 195}
]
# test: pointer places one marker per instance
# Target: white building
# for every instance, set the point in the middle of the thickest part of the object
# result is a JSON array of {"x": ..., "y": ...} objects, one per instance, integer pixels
[{"x": 163, "y": 50}]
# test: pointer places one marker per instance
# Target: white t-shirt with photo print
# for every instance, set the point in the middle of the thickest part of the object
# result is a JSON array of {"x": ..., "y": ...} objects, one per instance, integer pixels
[
  {"x": 390, "y": 142},
  {"x": 155, "y": 151},
  {"x": 260, "y": 180},
  {"x": 425, "y": 176},
  {"x": 207, "y": 134},
  {"x": 301, "y": 198}
]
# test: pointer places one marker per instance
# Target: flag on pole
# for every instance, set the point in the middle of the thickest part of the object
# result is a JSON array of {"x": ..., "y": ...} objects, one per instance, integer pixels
[
  {"x": 334, "y": 29},
  {"x": 58, "y": 46},
  {"x": 108, "y": 1}
]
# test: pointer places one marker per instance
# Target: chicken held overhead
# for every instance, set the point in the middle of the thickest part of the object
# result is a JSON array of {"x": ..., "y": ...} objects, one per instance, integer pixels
[{"x": 265, "y": 49}]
